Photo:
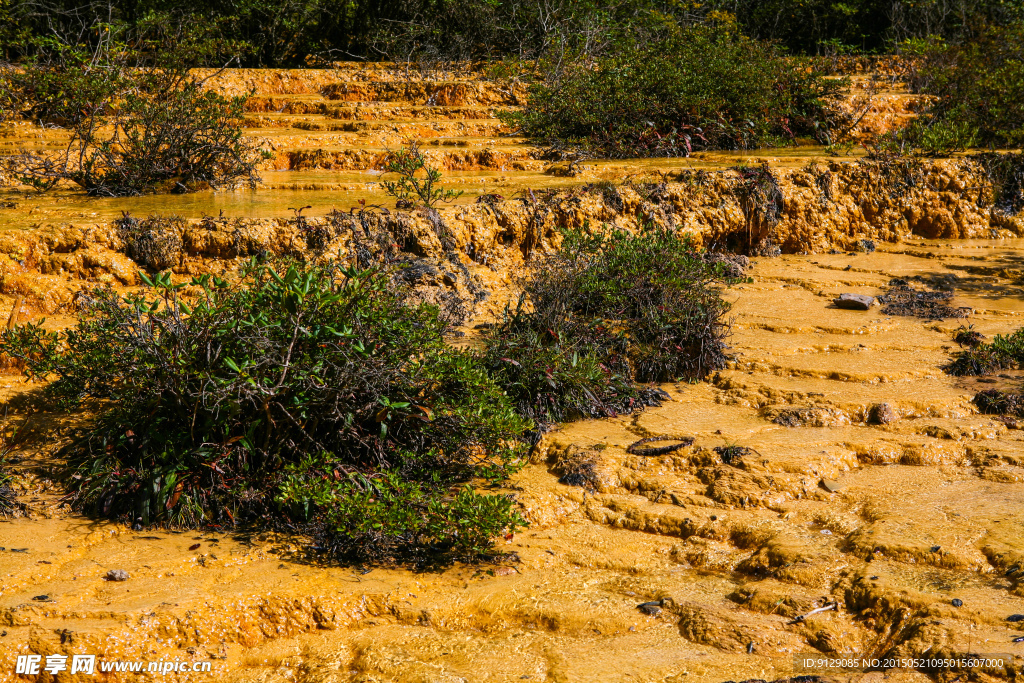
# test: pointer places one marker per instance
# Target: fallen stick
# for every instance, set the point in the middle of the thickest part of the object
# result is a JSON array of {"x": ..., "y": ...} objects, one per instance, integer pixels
[{"x": 826, "y": 608}]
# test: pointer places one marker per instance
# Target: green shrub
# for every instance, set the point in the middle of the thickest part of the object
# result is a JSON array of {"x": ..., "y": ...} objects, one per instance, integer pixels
[
  {"x": 979, "y": 86},
  {"x": 63, "y": 93},
  {"x": 695, "y": 90},
  {"x": 409, "y": 189},
  {"x": 929, "y": 136},
  {"x": 605, "y": 314},
  {"x": 313, "y": 395},
  {"x": 1004, "y": 351}
]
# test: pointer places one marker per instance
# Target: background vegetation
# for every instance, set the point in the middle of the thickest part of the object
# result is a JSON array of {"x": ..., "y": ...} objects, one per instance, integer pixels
[{"x": 296, "y": 32}]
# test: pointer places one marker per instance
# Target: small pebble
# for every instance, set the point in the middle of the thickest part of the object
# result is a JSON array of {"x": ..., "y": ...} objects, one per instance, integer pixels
[
  {"x": 750, "y": 648},
  {"x": 116, "y": 575},
  {"x": 195, "y": 547},
  {"x": 874, "y": 578},
  {"x": 957, "y": 602},
  {"x": 1019, "y": 640},
  {"x": 1015, "y": 617},
  {"x": 41, "y": 598},
  {"x": 936, "y": 548}
]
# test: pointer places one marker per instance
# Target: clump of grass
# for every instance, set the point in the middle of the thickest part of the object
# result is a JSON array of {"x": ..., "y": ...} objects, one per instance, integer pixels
[
  {"x": 1003, "y": 352},
  {"x": 763, "y": 204},
  {"x": 575, "y": 467},
  {"x": 608, "y": 313},
  {"x": 153, "y": 242},
  {"x": 302, "y": 395},
  {"x": 995, "y": 402}
]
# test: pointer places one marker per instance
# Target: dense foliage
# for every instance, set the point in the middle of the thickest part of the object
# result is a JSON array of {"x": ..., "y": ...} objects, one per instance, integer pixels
[
  {"x": 979, "y": 89},
  {"x": 609, "y": 312},
  {"x": 295, "y": 33},
  {"x": 312, "y": 395},
  {"x": 697, "y": 90}
]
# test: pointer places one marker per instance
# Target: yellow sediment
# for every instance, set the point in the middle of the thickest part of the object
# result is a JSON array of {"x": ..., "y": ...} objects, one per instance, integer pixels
[{"x": 916, "y": 512}]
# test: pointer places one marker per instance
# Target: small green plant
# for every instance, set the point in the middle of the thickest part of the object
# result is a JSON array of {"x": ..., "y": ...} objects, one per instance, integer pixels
[
  {"x": 995, "y": 402},
  {"x": 303, "y": 395},
  {"x": 609, "y": 312},
  {"x": 410, "y": 189},
  {"x": 1003, "y": 352}
]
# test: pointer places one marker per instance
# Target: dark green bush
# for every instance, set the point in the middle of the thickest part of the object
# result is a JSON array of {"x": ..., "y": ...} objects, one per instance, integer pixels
[
  {"x": 314, "y": 395},
  {"x": 606, "y": 314},
  {"x": 695, "y": 90}
]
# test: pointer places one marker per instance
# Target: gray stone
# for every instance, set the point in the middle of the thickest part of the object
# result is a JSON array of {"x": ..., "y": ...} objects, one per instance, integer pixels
[
  {"x": 854, "y": 302},
  {"x": 116, "y": 575},
  {"x": 830, "y": 485}
]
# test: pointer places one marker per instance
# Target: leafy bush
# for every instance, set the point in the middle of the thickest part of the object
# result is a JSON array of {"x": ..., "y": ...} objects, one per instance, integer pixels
[
  {"x": 979, "y": 86},
  {"x": 695, "y": 90},
  {"x": 929, "y": 136},
  {"x": 313, "y": 395},
  {"x": 63, "y": 93},
  {"x": 608, "y": 312}
]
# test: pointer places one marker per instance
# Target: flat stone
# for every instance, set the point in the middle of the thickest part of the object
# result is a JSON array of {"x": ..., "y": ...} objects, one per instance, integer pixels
[
  {"x": 116, "y": 575},
  {"x": 830, "y": 485},
  {"x": 854, "y": 302}
]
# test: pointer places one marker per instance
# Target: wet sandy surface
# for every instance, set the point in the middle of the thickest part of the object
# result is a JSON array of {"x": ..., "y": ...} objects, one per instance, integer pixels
[
  {"x": 330, "y": 130},
  {"x": 891, "y": 522}
]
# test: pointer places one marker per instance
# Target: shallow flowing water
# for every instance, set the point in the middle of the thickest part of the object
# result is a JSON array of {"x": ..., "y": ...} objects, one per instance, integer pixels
[{"x": 889, "y": 522}]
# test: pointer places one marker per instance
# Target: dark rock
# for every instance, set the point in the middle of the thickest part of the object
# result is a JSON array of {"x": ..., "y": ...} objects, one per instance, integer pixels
[
  {"x": 957, "y": 602},
  {"x": 116, "y": 575},
  {"x": 854, "y": 302},
  {"x": 41, "y": 598},
  {"x": 1015, "y": 617},
  {"x": 883, "y": 414},
  {"x": 650, "y": 608}
]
